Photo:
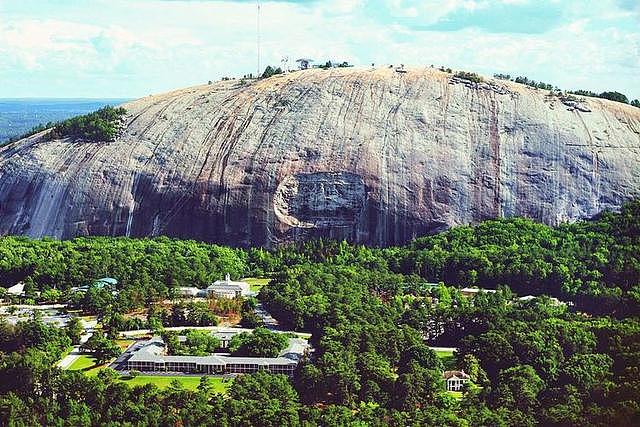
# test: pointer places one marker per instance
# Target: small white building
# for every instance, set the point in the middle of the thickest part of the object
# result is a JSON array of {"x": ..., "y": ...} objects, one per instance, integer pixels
[
  {"x": 554, "y": 301},
  {"x": 471, "y": 292},
  {"x": 455, "y": 380},
  {"x": 17, "y": 289},
  {"x": 190, "y": 291}
]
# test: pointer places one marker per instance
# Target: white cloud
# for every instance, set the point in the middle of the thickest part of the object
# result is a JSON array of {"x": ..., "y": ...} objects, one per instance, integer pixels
[{"x": 134, "y": 48}]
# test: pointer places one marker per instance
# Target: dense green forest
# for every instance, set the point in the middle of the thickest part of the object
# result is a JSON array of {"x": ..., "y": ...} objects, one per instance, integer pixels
[
  {"x": 595, "y": 264},
  {"x": 372, "y": 314}
]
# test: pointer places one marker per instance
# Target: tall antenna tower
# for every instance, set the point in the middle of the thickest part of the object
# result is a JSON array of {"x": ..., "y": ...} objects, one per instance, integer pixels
[{"x": 258, "y": 33}]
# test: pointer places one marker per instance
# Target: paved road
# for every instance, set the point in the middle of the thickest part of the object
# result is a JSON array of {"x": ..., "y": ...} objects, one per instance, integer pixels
[
  {"x": 33, "y": 307},
  {"x": 136, "y": 332},
  {"x": 68, "y": 360},
  {"x": 267, "y": 318}
]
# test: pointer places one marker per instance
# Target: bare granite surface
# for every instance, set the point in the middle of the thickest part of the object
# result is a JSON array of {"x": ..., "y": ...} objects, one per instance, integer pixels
[{"x": 373, "y": 156}]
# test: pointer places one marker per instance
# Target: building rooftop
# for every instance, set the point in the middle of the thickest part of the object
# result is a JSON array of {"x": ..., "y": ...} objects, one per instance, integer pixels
[
  {"x": 456, "y": 375},
  {"x": 108, "y": 280},
  {"x": 225, "y": 287},
  {"x": 153, "y": 349}
]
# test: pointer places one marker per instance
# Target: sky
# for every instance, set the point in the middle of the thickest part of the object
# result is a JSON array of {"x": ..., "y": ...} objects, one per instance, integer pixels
[{"x": 133, "y": 48}]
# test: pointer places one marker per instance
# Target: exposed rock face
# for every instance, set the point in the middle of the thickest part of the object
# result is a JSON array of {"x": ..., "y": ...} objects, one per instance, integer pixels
[{"x": 374, "y": 156}]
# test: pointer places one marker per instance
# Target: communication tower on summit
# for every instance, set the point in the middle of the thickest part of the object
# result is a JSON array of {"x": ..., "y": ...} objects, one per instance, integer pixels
[{"x": 258, "y": 37}]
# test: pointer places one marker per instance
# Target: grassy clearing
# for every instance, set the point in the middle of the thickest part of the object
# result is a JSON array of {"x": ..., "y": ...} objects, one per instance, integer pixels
[
  {"x": 219, "y": 385},
  {"x": 256, "y": 283},
  {"x": 442, "y": 354},
  {"x": 82, "y": 362},
  {"x": 87, "y": 364},
  {"x": 447, "y": 357},
  {"x": 455, "y": 394},
  {"x": 305, "y": 335}
]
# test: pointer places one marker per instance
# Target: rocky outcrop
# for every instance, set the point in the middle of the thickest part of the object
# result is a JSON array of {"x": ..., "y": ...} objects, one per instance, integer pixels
[{"x": 374, "y": 156}]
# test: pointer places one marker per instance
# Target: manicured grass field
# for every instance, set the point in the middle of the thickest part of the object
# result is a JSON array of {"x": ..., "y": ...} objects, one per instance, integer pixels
[
  {"x": 82, "y": 362},
  {"x": 86, "y": 364},
  {"x": 444, "y": 354},
  {"x": 255, "y": 283},
  {"x": 191, "y": 383}
]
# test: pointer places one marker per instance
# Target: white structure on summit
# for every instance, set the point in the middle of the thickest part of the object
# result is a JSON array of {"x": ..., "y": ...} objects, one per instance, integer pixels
[{"x": 17, "y": 289}]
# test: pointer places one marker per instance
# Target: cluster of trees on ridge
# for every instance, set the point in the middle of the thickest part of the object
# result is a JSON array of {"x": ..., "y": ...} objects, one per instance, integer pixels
[
  {"x": 369, "y": 311},
  {"x": 102, "y": 125},
  {"x": 610, "y": 95}
]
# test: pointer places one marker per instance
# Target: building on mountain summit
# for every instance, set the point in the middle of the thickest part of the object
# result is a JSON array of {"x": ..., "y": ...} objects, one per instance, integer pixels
[{"x": 304, "y": 63}]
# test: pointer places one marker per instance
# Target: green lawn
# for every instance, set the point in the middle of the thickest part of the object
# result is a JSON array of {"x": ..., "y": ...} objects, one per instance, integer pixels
[
  {"x": 191, "y": 383},
  {"x": 255, "y": 283},
  {"x": 455, "y": 394},
  {"x": 86, "y": 364},
  {"x": 447, "y": 358},
  {"x": 444, "y": 354}
]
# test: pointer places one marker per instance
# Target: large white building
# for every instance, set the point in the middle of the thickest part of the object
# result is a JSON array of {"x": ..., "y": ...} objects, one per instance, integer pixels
[
  {"x": 150, "y": 356},
  {"x": 228, "y": 288}
]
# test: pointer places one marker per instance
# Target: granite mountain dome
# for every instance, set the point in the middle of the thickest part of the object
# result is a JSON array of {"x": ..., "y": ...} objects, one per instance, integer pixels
[{"x": 374, "y": 156}]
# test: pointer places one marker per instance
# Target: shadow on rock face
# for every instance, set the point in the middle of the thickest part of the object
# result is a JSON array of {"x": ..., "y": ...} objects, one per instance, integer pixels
[{"x": 320, "y": 200}]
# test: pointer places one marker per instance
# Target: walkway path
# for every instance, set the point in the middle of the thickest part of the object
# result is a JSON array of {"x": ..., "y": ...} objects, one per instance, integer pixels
[
  {"x": 75, "y": 352},
  {"x": 267, "y": 318},
  {"x": 68, "y": 360}
]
